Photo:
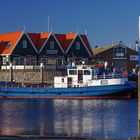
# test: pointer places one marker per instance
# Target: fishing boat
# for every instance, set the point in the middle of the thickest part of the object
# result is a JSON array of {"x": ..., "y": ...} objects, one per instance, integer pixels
[{"x": 79, "y": 82}]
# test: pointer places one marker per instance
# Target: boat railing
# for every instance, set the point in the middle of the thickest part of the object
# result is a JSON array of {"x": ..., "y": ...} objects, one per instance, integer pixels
[{"x": 108, "y": 76}]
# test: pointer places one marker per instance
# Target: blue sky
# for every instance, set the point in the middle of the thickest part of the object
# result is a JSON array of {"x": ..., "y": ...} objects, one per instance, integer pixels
[{"x": 105, "y": 21}]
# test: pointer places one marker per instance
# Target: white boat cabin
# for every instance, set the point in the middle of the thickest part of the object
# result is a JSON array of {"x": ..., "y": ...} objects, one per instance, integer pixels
[{"x": 83, "y": 76}]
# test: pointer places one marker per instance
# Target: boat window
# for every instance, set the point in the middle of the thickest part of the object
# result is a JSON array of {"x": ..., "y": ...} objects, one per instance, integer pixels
[
  {"x": 62, "y": 79},
  {"x": 72, "y": 72},
  {"x": 86, "y": 72}
]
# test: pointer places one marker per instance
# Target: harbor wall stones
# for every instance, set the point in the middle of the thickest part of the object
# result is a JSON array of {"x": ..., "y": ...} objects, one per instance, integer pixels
[{"x": 30, "y": 76}]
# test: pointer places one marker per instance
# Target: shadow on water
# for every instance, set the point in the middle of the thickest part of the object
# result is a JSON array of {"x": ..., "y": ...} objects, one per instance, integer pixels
[{"x": 69, "y": 117}]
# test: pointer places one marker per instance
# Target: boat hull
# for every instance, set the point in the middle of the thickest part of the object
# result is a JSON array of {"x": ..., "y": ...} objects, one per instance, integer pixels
[{"x": 113, "y": 91}]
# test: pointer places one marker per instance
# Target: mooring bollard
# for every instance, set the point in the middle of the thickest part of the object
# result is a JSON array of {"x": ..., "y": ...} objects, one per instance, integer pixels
[
  {"x": 41, "y": 72},
  {"x": 11, "y": 72}
]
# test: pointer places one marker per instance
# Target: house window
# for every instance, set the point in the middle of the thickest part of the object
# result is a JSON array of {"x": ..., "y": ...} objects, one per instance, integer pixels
[
  {"x": 8, "y": 44},
  {"x": 32, "y": 61},
  {"x": 16, "y": 61},
  {"x": 51, "y": 61},
  {"x": 44, "y": 61},
  {"x": 119, "y": 52},
  {"x": 51, "y": 44},
  {"x": 4, "y": 61},
  {"x": 59, "y": 62},
  {"x": 78, "y": 45},
  {"x": 24, "y": 44},
  {"x": 27, "y": 61},
  {"x": 22, "y": 60},
  {"x": 69, "y": 61}
]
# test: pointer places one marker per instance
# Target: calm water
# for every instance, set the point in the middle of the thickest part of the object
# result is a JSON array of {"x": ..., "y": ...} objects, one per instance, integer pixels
[{"x": 91, "y": 118}]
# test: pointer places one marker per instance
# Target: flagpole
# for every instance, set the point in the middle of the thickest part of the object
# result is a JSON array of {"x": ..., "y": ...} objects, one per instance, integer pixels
[
  {"x": 139, "y": 83},
  {"x": 48, "y": 23}
]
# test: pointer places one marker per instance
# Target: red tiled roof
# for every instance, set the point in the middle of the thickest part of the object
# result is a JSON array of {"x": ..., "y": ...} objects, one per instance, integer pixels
[
  {"x": 8, "y": 38},
  {"x": 65, "y": 40},
  {"x": 38, "y": 39},
  {"x": 85, "y": 40}
]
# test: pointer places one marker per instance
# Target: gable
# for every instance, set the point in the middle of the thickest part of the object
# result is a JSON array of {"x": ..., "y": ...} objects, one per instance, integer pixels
[
  {"x": 119, "y": 45},
  {"x": 65, "y": 40},
  {"x": 38, "y": 39},
  {"x": 19, "y": 50},
  {"x": 86, "y": 43},
  {"x": 48, "y": 50},
  {"x": 74, "y": 51},
  {"x": 8, "y": 42}
]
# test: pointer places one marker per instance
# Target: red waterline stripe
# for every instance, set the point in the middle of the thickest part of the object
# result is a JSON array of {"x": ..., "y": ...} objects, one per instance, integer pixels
[{"x": 66, "y": 97}]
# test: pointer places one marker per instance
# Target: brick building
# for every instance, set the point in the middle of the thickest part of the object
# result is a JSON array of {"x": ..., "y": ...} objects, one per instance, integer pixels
[{"x": 117, "y": 56}]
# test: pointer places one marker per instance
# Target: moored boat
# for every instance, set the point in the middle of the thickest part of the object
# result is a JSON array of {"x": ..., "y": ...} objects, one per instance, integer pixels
[{"x": 80, "y": 82}]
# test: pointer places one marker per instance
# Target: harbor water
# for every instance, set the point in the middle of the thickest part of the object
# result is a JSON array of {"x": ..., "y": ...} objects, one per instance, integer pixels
[{"x": 95, "y": 118}]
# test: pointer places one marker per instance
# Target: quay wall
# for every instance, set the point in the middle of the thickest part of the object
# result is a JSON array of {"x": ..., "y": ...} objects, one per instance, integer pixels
[{"x": 30, "y": 76}]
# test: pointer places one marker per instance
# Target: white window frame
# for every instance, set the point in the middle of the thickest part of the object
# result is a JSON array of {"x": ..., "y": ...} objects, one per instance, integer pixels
[
  {"x": 52, "y": 45},
  {"x": 4, "y": 61},
  {"x": 24, "y": 44},
  {"x": 115, "y": 52},
  {"x": 77, "y": 45}
]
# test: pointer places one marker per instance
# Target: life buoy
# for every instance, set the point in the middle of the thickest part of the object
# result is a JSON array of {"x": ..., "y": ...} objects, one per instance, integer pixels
[{"x": 125, "y": 74}]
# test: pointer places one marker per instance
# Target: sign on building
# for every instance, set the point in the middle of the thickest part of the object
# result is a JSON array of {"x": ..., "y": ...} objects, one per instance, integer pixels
[{"x": 133, "y": 57}]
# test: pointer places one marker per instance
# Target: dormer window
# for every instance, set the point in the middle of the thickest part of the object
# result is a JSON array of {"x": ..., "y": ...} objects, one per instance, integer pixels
[
  {"x": 24, "y": 44},
  {"x": 8, "y": 44},
  {"x": 51, "y": 44},
  {"x": 77, "y": 45}
]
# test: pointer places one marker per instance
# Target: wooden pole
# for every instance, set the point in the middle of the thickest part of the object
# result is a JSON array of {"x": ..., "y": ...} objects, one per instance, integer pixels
[{"x": 11, "y": 73}]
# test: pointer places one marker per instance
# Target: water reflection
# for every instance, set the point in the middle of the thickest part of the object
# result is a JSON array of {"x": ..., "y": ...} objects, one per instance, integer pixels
[{"x": 91, "y": 118}]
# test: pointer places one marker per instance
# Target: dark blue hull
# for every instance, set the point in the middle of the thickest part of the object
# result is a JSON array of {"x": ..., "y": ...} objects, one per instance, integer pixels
[{"x": 84, "y": 92}]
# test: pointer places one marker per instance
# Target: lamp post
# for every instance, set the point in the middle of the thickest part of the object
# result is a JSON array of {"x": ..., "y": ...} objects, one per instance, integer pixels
[{"x": 41, "y": 72}]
